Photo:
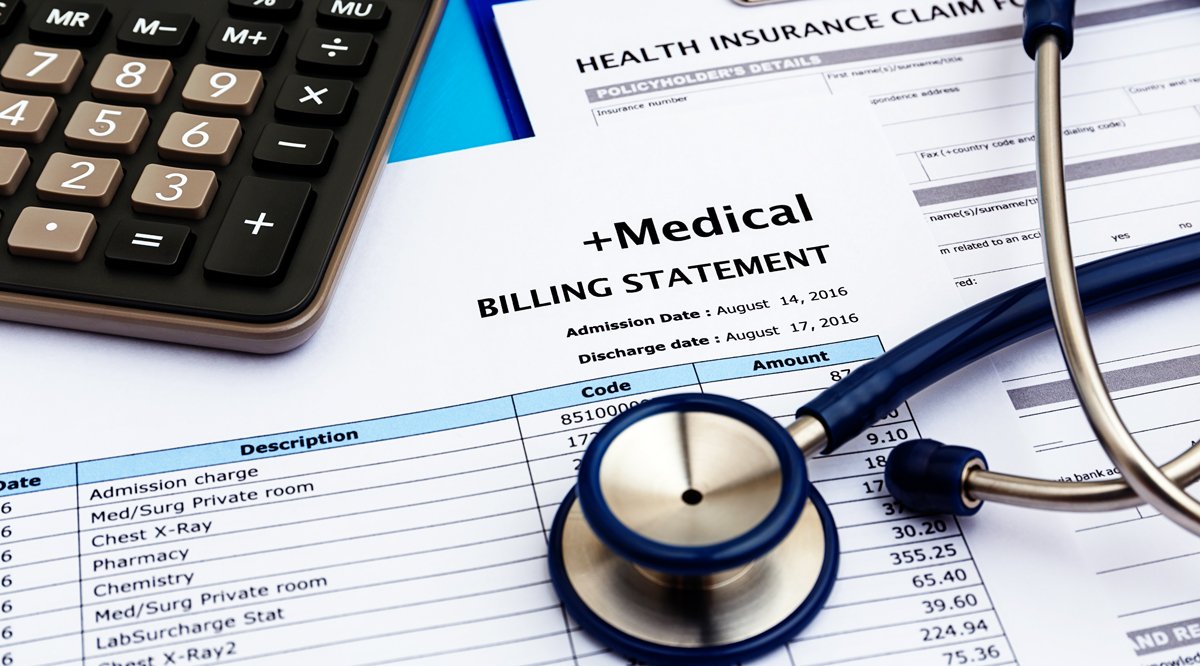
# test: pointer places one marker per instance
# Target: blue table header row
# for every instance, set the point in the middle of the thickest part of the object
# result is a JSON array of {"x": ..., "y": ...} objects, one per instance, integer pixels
[{"x": 437, "y": 420}]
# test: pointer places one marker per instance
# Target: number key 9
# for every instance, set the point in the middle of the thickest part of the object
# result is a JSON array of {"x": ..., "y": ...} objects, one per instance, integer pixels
[{"x": 223, "y": 90}]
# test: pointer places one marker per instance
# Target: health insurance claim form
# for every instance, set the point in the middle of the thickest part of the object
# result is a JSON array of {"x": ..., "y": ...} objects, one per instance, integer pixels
[
  {"x": 954, "y": 90},
  {"x": 381, "y": 495}
]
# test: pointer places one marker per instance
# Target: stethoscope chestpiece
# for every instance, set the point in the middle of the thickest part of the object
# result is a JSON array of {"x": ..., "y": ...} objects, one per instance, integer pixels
[{"x": 693, "y": 535}]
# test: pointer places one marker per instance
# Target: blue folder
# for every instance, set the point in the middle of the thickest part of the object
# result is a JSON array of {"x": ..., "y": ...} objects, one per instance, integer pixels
[{"x": 506, "y": 84}]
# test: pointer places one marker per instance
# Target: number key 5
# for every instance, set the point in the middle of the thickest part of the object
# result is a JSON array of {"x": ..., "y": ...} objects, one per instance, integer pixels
[
  {"x": 176, "y": 192},
  {"x": 106, "y": 128},
  {"x": 139, "y": 80}
]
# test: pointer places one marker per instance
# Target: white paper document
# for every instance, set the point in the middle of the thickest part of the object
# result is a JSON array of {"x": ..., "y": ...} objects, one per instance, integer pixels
[
  {"x": 382, "y": 494},
  {"x": 954, "y": 89}
]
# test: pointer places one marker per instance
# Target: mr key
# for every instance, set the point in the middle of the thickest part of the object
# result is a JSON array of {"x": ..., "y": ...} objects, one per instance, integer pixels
[{"x": 141, "y": 211}]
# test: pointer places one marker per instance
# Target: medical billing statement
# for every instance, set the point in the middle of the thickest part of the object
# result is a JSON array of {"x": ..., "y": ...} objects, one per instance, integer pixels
[
  {"x": 382, "y": 494},
  {"x": 954, "y": 91}
]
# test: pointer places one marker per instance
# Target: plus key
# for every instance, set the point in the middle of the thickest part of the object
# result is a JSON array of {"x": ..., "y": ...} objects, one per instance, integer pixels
[{"x": 259, "y": 232}]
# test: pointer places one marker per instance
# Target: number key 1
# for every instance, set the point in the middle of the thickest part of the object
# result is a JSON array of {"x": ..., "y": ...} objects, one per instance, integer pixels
[
  {"x": 106, "y": 128},
  {"x": 176, "y": 192}
]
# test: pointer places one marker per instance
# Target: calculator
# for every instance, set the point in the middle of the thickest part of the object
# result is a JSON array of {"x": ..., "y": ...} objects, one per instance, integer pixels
[{"x": 194, "y": 171}]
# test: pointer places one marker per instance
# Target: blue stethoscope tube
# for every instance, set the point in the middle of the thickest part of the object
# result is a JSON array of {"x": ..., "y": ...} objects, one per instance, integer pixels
[{"x": 880, "y": 386}]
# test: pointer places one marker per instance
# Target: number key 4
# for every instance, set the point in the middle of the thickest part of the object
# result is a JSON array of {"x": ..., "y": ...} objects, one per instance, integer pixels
[{"x": 26, "y": 118}]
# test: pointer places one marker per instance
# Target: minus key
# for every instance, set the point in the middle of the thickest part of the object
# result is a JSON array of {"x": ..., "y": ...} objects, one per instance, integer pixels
[{"x": 301, "y": 151}]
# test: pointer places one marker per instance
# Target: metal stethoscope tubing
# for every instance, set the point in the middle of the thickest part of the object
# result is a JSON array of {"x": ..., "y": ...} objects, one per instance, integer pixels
[
  {"x": 1048, "y": 40},
  {"x": 1138, "y": 471}
]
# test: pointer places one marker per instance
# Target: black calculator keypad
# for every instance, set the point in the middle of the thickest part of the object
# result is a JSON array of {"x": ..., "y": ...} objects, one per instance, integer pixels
[
  {"x": 69, "y": 23},
  {"x": 150, "y": 32},
  {"x": 219, "y": 145}
]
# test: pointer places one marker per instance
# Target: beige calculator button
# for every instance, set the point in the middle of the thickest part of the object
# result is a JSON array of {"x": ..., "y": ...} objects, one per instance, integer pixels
[
  {"x": 26, "y": 118},
  {"x": 222, "y": 89},
  {"x": 138, "y": 80},
  {"x": 87, "y": 181},
  {"x": 199, "y": 139},
  {"x": 41, "y": 69},
  {"x": 14, "y": 163},
  {"x": 107, "y": 128},
  {"x": 46, "y": 233},
  {"x": 176, "y": 192}
]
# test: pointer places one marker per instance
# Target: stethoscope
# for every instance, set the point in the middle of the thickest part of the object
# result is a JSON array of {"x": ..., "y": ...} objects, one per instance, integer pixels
[{"x": 693, "y": 535}]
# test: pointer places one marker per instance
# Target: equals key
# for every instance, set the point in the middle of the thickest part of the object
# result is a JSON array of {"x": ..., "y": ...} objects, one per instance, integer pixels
[{"x": 300, "y": 151}]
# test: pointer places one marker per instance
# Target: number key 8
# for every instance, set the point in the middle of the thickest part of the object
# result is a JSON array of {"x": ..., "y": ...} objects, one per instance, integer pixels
[{"x": 138, "y": 80}]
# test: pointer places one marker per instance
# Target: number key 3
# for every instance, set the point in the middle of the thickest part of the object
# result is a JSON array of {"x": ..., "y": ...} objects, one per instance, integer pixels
[{"x": 185, "y": 193}]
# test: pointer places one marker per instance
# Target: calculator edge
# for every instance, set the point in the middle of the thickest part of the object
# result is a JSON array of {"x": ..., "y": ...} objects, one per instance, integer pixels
[{"x": 272, "y": 338}]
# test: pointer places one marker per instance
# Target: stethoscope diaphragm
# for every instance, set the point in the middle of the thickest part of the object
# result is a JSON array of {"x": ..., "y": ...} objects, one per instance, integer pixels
[{"x": 693, "y": 536}]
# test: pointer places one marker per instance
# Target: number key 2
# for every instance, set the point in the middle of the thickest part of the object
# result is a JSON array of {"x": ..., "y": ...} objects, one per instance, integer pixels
[{"x": 86, "y": 181}]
